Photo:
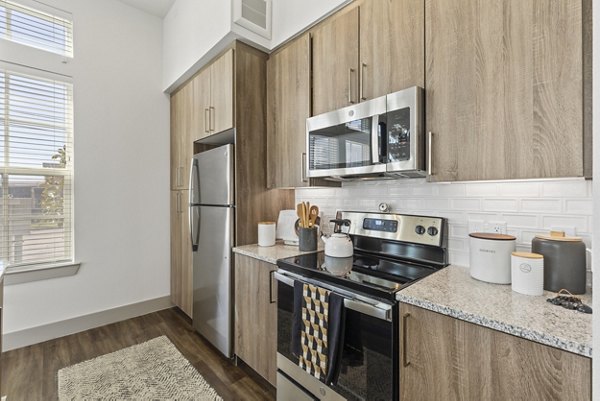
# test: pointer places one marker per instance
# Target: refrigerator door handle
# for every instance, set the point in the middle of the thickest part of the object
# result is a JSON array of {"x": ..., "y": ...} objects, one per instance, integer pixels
[
  {"x": 194, "y": 230},
  {"x": 194, "y": 185}
]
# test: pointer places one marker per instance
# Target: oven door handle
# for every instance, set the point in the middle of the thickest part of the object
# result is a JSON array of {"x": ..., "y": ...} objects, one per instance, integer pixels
[{"x": 377, "y": 310}]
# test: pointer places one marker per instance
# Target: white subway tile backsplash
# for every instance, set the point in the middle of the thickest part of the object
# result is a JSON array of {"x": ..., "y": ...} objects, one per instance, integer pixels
[
  {"x": 520, "y": 220},
  {"x": 482, "y": 189},
  {"x": 501, "y": 205},
  {"x": 579, "y": 206},
  {"x": 520, "y": 189},
  {"x": 528, "y": 207},
  {"x": 580, "y": 223},
  {"x": 541, "y": 205},
  {"x": 466, "y": 204},
  {"x": 451, "y": 190},
  {"x": 564, "y": 188}
]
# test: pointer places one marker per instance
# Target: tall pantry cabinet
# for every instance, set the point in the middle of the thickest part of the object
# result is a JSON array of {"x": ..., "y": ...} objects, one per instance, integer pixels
[{"x": 236, "y": 85}]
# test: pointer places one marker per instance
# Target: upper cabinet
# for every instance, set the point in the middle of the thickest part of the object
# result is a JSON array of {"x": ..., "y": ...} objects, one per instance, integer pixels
[
  {"x": 392, "y": 35},
  {"x": 213, "y": 91},
  {"x": 288, "y": 107},
  {"x": 504, "y": 89},
  {"x": 367, "y": 51},
  {"x": 335, "y": 62},
  {"x": 221, "y": 93}
]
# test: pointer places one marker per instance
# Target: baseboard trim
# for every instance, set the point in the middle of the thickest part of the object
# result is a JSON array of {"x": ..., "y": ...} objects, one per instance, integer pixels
[{"x": 38, "y": 334}]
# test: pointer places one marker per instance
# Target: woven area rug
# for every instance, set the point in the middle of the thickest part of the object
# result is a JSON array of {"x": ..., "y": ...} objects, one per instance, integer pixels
[{"x": 154, "y": 370}]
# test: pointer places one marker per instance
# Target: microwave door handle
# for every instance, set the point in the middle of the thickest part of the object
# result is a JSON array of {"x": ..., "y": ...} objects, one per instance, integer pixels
[{"x": 375, "y": 139}]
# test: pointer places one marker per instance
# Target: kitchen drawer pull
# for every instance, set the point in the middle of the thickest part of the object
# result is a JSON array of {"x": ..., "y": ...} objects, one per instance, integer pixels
[
  {"x": 211, "y": 125},
  {"x": 272, "y": 286},
  {"x": 430, "y": 153},
  {"x": 206, "y": 120},
  {"x": 362, "y": 82},
  {"x": 405, "y": 361},
  {"x": 350, "y": 71}
]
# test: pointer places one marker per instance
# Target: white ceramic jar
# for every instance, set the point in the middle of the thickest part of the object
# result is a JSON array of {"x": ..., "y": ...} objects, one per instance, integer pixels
[
  {"x": 490, "y": 257},
  {"x": 266, "y": 233},
  {"x": 527, "y": 272}
]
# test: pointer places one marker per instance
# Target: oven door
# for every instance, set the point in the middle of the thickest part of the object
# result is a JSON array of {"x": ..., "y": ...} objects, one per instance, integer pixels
[
  {"x": 369, "y": 361},
  {"x": 347, "y": 141}
]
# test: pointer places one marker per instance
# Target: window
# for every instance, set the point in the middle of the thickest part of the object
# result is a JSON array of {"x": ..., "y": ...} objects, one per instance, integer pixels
[
  {"x": 36, "y": 27},
  {"x": 36, "y": 169}
]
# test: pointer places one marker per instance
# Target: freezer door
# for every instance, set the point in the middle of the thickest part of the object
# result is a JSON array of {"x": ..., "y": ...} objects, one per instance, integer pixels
[
  {"x": 212, "y": 277},
  {"x": 211, "y": 177}
]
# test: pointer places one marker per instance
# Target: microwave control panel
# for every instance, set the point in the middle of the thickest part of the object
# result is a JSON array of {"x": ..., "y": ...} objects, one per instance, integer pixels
[{"x": 398, "y": 126}]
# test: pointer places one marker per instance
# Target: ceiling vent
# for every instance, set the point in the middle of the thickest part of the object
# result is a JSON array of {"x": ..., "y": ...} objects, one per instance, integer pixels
[{"x": 254, "y": 15}]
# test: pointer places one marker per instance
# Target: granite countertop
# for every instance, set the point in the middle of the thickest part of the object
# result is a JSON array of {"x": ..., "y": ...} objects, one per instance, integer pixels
[
  {"x": 271, "y": 254},
  {"x": 453, "y": 292}
]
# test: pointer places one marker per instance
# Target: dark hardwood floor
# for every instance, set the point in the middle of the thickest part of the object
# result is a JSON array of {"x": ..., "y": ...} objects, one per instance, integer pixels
[{"x": 30, "y": 373}]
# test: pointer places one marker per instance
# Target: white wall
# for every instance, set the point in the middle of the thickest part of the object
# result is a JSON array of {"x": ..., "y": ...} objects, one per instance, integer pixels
[
  {"x": 121, "y": 171},
  {"x": 292, "y": 16},
  {"x": 190, "y": 30},
  {"x": 194, "y": 31},
  {"x": 528, "y": 207}
]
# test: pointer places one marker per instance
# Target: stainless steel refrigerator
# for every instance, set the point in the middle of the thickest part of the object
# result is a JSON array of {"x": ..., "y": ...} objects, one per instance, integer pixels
[{"x": 212, "y": 213}]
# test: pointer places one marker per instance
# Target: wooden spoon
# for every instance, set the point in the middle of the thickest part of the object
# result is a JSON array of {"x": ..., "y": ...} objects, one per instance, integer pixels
[
  {"x": 313, "y": 213},
  {"x": 300, "y": 213}
]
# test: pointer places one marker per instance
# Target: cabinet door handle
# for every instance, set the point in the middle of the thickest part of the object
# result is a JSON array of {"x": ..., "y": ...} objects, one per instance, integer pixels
[
  {"x": 430, "y": 153},
  {"x": 272, "y": 285},
  {"x": 178, "y": 176},
  {"x": 405, "y": 361},
  {"x": 211, "y": 125},
  {"x": 303, "y": 177},
  {"x": 178, "y": 202},
  {"x": 206, "y": 120},
  {"x": 362, "y": 82},
  {"x": 350, "y": 71}
]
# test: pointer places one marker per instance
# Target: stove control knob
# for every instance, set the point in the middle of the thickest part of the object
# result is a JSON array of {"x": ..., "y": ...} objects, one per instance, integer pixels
[
  {"x": 433, "y": 231},
  {"x": 420, "y": 230}
]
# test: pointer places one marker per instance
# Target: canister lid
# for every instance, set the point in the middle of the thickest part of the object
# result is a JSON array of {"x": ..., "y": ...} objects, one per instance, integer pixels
[
  {"x": 493, "y": 236},
  {"x": 528, "y": 255},
  {"x": 558, "y": 236}
]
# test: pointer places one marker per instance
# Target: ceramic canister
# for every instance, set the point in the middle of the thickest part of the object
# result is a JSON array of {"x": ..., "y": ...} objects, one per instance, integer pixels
[
  {"x": 564, "y": 261},
  {"x": 527, "y": 273},
  {"x": 266, "y": 233},
  {"x": 490, "y": 256}
]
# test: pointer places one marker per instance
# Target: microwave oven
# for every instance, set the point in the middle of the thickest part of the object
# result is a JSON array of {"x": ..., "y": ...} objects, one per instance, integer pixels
[{"x": 379, "y": 138}]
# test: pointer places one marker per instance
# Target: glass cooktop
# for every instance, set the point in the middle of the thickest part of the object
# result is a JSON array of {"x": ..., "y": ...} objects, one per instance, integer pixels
[{"x": 369, "y": 274}]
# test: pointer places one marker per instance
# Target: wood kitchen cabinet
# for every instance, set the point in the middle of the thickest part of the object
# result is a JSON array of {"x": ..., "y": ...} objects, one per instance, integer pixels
[
  {"x": 182, "y": 117},
  {"x": 181, "y": 253},
  {"x": 213, "y": 92},
  {"x": 391, "y": 43},
  {"x": 367, "y": 50},
  {"x": 504, "y": 88},
  {"x": 335, "y": 62},
  {"x": 221, "y": 93},
  {"x": 288, "y": 107},
  {"x": 446, "y": 359},
  {"x": 256, "y": 315}
]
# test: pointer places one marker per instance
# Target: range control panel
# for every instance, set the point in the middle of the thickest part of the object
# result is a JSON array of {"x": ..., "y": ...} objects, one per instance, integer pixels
[{"x": 398, "y": 227}]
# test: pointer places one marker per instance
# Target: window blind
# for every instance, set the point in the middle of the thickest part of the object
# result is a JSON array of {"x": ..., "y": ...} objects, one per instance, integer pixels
[
  {"x": 36, "y": 169},
  {"x": 35, "y": 27}
]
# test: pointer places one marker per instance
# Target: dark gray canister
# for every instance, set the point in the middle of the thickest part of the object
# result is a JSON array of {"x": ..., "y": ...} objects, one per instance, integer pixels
[{"x": 564, "y": 262}]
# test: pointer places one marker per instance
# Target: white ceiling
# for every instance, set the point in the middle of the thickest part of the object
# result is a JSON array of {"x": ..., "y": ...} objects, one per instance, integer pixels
[{"x": 160, "y": 8}]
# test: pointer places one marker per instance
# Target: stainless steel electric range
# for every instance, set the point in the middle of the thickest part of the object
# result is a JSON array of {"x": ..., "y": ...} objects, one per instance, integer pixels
[{"x": 391, "y": 251}]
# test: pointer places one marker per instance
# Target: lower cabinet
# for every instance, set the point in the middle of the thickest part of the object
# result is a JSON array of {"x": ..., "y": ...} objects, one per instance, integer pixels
[
  {"x": 256, "y": 315},
  {"x": 446, "y": 359},
  {"x": 181, "y": 253}
]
